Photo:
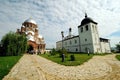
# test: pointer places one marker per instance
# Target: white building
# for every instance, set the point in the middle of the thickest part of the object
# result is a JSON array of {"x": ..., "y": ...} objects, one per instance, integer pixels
[{"x": 87, "y": 41}]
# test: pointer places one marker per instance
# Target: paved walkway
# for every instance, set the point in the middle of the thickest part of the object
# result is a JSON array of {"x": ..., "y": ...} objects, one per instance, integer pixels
[{"x": 33, "y": 67}]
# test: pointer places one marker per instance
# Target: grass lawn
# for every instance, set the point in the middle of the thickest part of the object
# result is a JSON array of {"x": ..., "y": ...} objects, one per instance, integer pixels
[
  {"x": 118, "y": 57},
  {"x": 79, "y": 59},
  {"x": 6, "y": 63}
]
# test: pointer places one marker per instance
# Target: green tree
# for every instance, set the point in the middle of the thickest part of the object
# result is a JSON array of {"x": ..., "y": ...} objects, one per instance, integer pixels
[
  {"x": 118, "y": 47},
  {"x": 14, "y": 44},
  {"x": 64, "y": 51},
  {"x": 53, "y": 52}
]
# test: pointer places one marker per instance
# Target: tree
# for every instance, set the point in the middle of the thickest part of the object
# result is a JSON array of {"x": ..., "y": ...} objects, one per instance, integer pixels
[
  {"x": 14, "y": 44},
  {"x": 64, "y": 51},
  {"x": 118, "y": 47},
  {"x": 53, "y": 52}
]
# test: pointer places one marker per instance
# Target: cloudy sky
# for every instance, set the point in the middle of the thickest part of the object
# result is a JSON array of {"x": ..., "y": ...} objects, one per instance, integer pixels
[{"x": 54, "y": 16}]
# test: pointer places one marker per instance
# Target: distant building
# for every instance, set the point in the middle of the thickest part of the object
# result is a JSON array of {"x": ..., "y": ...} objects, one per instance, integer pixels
[
  {"x": 35, "y": 40},
  {"x": 87, "y": 41}
]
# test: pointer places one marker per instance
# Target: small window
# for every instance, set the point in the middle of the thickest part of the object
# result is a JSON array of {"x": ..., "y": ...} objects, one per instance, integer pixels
[
  {"x": 65, "y": 43},
  {"x": 85, "y": 39},
  {"x": 86, "y": 27},
  {"x": 70, "y": 42},
  {"x": 76, "y": 49},
  {"x": 93, "y": 27},
  {"x": 81, "y": 29},
  {"x": 75, "y": 41}
]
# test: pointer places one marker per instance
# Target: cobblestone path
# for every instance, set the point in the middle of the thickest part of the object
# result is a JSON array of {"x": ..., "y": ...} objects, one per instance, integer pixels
[{"x": 33, "y": 67}]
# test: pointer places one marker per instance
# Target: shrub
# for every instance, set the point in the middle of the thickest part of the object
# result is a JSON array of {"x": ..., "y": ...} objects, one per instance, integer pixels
[
  {"x": 72, "y": 58},
  {"x": 118, "y": 57},
  {"x": 53, "y": 52}
]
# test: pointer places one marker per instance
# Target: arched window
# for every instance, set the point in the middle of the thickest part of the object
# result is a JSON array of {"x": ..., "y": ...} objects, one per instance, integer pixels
[
  {"x": 70, "y": 42},
  {"x": 65, "y": 43},
  {"x": 86, "y": 27},
  {"x": 76, "y": 49},
  {"x": 81, "y": 29},
  {"x": 75, "y": 41}
]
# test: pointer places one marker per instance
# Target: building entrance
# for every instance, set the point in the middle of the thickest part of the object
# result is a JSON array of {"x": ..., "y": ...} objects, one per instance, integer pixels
[{"x": 30, "y": 49}]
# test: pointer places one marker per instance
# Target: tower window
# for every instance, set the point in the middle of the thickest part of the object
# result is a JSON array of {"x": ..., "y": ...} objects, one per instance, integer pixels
[
  {"x": 85, "y": 39},
  {"x": 81, "y": 29},
  {"x": 86, "y": 27},
  {"x": 70, "y": 42},
  {"x": 75, "y": 41}
]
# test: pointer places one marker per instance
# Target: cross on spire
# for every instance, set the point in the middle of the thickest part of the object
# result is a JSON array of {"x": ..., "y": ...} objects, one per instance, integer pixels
[{"x": 85, "y": 15}]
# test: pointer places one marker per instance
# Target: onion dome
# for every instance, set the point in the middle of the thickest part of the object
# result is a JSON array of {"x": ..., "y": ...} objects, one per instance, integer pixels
[
  {"x": 30, "y": 20},
  {"x": 87, "y": 20}
]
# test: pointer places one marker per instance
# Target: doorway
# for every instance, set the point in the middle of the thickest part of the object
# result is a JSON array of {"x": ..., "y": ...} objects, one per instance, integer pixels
[{"x": 30, "y": 49}]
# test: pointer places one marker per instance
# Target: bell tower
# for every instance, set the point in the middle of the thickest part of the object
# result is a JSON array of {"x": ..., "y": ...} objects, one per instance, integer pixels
[{"x": 89, "y": 36}]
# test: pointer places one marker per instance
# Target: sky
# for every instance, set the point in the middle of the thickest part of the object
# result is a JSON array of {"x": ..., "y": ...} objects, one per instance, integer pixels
[{"x": 54, "y": 16}]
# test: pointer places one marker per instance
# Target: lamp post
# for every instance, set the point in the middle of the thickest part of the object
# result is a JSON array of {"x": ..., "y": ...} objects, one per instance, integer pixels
[
  {"x": 62, "y": 33},
  {"x": 63, "y": 56}
]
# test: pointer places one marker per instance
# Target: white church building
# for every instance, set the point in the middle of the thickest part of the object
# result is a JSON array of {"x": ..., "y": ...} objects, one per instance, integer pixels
[{"x": 87, "y": 40}]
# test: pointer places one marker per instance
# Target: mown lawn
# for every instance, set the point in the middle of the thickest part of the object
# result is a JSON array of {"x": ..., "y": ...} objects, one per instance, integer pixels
[
  {"x": 6, "y": 63},
  {"x": 79, "y": 59},
  {"x": 118, "y": 57}
]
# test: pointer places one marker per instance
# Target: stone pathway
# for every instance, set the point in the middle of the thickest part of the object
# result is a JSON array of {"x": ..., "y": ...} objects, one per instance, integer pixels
[{"x": 33, "y": 67}]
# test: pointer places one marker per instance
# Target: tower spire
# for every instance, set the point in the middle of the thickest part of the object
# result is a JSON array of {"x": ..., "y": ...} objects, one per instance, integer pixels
[
  {"x": 70, "y": 29},
  {"x": 85, "y": 15}
]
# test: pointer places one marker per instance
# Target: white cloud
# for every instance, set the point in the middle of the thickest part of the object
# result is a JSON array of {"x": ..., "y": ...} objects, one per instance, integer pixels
[{"x": 53, "y": 16}]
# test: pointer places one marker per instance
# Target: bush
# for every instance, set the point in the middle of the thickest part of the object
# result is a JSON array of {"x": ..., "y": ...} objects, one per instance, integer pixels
[
  {"x": 72, "y": 58},
  {"x": 118, "y": 57},
  {"x": 53, "y": 52}
]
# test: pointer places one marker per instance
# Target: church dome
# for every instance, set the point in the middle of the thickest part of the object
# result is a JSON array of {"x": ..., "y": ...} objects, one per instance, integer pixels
[
  {"x": 30, "y": 20},
  {"x": 87, "y": 20}
]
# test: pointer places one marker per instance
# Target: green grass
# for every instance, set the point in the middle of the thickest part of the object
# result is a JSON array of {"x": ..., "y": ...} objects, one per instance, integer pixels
[
  {"x": 6, "y": 63},
  {"x": 79, "y": 59},
  {"x": 118, "y": 57}
]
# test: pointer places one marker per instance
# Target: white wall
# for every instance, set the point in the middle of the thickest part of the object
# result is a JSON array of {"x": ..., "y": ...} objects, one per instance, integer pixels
[
  {"x": 105, "y": 47},
  {"x": 72, "y": 44},
  {"x": 58, "y": 45}
]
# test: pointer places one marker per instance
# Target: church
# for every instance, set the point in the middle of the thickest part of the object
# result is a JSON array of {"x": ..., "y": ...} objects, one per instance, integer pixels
[
  {"x": 87, "y": 40},
  {"x": 34, "y": 39}
]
